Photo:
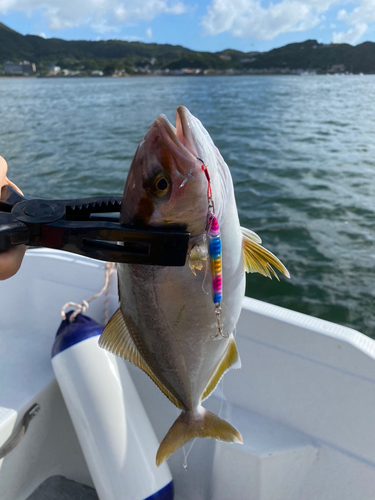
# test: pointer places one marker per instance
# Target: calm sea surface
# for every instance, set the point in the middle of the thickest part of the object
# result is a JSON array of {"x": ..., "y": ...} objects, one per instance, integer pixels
[{"x": 301, "y": 151}]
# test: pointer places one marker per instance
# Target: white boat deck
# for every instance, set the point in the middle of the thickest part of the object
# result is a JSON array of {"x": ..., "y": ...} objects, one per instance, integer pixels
[{"x": 304, "y": 399}]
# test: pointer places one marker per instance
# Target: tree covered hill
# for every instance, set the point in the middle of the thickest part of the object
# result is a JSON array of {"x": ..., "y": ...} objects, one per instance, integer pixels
[{"x": 116, "y": 54}]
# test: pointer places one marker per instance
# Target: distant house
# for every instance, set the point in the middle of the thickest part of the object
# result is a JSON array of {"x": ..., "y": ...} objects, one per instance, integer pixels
[
  {"x": 53, "y": 70},
  {"x": 97, "y": 72},
  {"x": 28, "y": 68},
  {"x": 13, "y": 68},
  {"x": 19, "y": 68}
]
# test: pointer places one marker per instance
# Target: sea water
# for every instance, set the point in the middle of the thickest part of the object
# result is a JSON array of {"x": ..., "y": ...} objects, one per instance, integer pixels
[{"x": 301, "y": 151}]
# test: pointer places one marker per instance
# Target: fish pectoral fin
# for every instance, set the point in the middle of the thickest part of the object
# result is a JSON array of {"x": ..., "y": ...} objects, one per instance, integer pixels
[
  {"x": 251, "y": 235},
  {"x": 197, "y": 255},
  {"x": 231, "y": 359},
  {"x": 258, "y": 259},
  {"x": 185, "y": 428},
  {"x": 117, "y": 339}
]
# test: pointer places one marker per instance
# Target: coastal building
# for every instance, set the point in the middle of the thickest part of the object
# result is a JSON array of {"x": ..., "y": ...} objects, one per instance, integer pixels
[
  {"x": 53, "y": 70},
  {"x": 19, "y": 68},
  {"x": 12, "y": 68}
]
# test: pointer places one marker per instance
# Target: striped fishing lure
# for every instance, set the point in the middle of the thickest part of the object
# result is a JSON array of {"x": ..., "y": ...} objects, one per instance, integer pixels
[{"x": 214, "y": 254}]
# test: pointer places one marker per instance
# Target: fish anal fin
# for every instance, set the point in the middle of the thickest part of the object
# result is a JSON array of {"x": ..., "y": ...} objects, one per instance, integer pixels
[
  {"x": 231, "y": 359},
  {"x": 185, "y": 428},
  {"x": 258, "y": 259},
  {"x": 117, "y": 339}
]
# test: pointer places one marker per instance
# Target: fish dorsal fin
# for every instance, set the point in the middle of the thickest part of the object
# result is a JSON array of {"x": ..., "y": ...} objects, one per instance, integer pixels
[
  {"x": 257, "y": 259},
  {"x": 117, "y": 339},
  {"x": 231, "y": 359}
]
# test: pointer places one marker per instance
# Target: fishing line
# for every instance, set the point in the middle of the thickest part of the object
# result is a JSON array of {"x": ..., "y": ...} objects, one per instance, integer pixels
[
  {"x": 186, "y": 454},
  {"x": 224, "y": 306},
  {"x": 205, "y": 266}
]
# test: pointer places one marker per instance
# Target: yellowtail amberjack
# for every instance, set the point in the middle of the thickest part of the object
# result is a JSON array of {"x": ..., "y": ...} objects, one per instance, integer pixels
[{"x": 166, "y": 325}]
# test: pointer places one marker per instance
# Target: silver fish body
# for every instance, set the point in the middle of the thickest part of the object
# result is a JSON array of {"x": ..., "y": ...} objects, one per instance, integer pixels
[
  {"x": 177, "y": 320},
  {"x": 166, "y": 323}
]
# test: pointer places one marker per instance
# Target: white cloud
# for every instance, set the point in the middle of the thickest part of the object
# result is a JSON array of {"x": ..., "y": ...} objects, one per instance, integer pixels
[
  {"x": 352, "y": 36},
  {"x": 248, "y": 18},
  {"x": 103, "y": 27},
  {"x": 149, "y": 33},
  {"x": 43, "y": 35},
  {"x": 101, "y": 15},
  {"x": 360, "y": 18}
]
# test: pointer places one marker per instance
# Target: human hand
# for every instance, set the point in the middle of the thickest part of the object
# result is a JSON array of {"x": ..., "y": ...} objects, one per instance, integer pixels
[{"x": 10, "y": 261}]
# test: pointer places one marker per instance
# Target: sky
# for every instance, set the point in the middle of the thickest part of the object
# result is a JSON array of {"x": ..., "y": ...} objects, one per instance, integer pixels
[{"x": 208, "y": 25}]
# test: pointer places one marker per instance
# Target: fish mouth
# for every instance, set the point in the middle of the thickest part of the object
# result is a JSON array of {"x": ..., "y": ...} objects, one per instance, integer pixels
[
  {"x": 181, "y": 135},
  {"x": 169, "y": 130},
  {"x": 184, "y": 129}
]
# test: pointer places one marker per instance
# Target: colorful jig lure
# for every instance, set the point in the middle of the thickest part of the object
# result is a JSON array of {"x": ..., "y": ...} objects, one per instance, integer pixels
[{"x": 214, "y": 253}]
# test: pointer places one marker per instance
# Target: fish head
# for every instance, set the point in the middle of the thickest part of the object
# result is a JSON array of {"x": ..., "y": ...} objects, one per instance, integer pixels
[{"x": 166, "y": 185}]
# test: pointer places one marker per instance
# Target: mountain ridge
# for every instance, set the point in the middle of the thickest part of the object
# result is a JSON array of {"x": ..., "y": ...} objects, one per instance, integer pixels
[{"x": 110, "y": 55}]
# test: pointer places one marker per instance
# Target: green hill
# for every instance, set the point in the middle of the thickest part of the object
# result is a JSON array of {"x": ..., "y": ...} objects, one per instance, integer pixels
[
  {"x": 115, "y": 54},
  {"x": 311, "y": 55}
]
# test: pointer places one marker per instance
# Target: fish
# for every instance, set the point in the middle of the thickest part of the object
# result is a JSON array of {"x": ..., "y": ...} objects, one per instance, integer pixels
[{"x": 177, "y": 323}]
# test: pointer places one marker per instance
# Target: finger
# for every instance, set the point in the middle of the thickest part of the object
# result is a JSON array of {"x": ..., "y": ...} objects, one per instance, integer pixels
[
  {"x": 10, "y": 183},
  {"x": 3, "y": 171},
  {"x": 3, "y": 176},
  {"x": 10, "y": 261}
]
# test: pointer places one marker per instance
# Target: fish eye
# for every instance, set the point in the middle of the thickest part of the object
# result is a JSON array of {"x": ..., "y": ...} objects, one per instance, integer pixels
[{"x": 161, "y": 185}]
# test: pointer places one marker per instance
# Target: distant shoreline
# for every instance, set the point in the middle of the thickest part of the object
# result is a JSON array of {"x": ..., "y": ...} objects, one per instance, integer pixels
[
  {"x": 29, "y": 54},
  {"x": 80, "y": 77}
]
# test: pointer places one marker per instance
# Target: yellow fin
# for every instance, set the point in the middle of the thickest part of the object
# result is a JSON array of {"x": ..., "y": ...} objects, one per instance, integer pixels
[
  {"x": 117, "y": 339},
  {"x": 231, "y": 359},
  {"x": 250, "y": 234},
  {"x": 196, "y": 257},
  {"x": 185, "y": 428},
  {"x": 259, "y": 260}
]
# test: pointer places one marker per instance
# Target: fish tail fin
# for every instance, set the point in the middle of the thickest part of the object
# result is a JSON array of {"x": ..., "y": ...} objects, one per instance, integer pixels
[{"x": 185, "y": 428}]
